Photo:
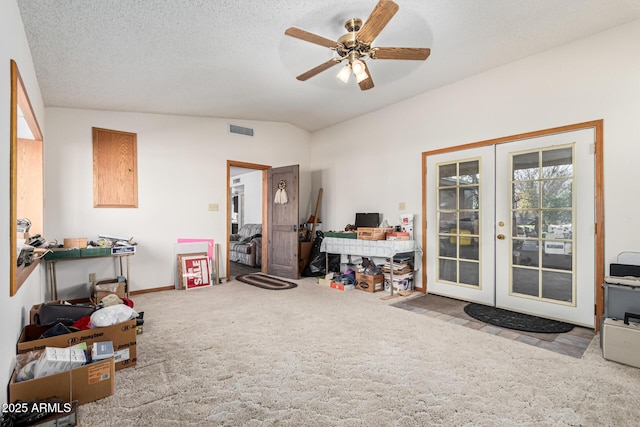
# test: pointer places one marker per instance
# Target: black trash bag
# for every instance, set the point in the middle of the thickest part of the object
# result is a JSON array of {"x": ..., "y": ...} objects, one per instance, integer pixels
[{"x": 317, "y": 260}]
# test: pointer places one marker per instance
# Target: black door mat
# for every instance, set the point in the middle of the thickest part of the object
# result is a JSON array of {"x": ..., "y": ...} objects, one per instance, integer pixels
[{"x": 517, "y": 321}]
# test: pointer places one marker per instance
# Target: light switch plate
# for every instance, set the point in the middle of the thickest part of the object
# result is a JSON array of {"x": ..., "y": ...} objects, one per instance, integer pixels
[
  {"x": 213, "y": 207},
  {"x": 402, "y": 206}
]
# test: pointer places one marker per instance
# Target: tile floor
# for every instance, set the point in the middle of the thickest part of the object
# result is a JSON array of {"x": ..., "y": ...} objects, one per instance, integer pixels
[{"x": 572, "y": 343}]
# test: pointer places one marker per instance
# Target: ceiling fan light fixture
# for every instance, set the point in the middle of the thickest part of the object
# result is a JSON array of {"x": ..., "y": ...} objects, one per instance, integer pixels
[
  {"x": 359, "y": 70},
  {"x": 357, "y": 66},
  {"x": 344, "y": 74}
]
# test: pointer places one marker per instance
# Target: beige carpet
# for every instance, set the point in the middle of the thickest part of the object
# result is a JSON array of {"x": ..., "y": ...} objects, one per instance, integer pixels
[{"x": 238, "y": 355}]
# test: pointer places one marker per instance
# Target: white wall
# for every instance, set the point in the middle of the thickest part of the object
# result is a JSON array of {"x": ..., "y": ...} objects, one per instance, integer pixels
[
  {"x": 594, "y": 78},
  {"x": 15, "y": 310},
  {"x": 252, "y": 183},
  {"x": 181, "y": 170}
]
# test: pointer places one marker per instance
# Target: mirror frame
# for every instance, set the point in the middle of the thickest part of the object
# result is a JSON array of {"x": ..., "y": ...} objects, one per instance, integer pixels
[{"x": 19, "y": 98}]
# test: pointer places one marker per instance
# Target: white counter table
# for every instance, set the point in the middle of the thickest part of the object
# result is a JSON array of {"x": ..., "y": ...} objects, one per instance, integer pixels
[{"x": 368, "y": 248}]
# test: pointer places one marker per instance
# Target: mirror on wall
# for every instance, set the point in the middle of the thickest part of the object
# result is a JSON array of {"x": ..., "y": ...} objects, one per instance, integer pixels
[{"x": 26, "y": 179}]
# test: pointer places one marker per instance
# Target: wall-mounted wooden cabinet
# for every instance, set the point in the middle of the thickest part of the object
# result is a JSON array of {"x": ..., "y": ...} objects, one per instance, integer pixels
[{"x": 115, "y": 171}]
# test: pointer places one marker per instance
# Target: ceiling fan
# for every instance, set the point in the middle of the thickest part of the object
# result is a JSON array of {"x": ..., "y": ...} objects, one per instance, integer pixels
[{"x": 355, "y": 46}]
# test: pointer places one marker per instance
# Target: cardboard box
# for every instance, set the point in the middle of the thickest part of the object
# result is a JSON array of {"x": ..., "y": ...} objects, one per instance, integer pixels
[
  {"x": 341, "y": 287},
  {"x": 84, "y": 384},
  {"x": 401, "y": 282},
  {"x": 398, "y": 236},
  {"x": 54, "y": 360},
  {"x": 369, "y": 283},
  {"x": 108, "y": 287},
  {"x": 123, "y": 336},
  {"x": 373, "y": 233},
  {"x": 326, "y": 280},
  {"x": 102, "y": 350}
]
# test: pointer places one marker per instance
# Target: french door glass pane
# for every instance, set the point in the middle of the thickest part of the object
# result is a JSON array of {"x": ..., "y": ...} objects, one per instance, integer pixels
[
  {"x": 469, "y": 172},
  {"x": 447, "y": 221},
  {"x": 525, "y": 223},
  {"x": 542, "y": 216},
  {"x": 448, "y": 270},
  {"x": 557, "y": 255},
  {"x": 469, "y": 248},
  {"x": 556, "y": 224},
  {"x": 447, "y": 175},
  {"x": 557, "y": 193},
  {"x": 526, "y": 166},
  {"x": 447, "y": 248},
  {"x": 557, "y": 163},
  {"x": 525, "y": 281},
  {"x": 458, "y": 216},
  {"x": 526, "y": 252},
  {"x": 470, "y": 197},
  {"x": 470, "y": 273},
  {"x": 557, "y": 286},
  {"x": 526, "y": 194},
  {"x": 448, "y": 198}
]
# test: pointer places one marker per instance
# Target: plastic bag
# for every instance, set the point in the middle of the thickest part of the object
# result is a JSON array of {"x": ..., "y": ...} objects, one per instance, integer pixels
[
  {"x": 317, "y": 260},
  {"x": 25, "y": 364},
  {"x": 112, "y": 315}
]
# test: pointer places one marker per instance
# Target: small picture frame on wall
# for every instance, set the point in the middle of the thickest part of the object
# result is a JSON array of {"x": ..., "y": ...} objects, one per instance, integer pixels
[{"x": 194, "y": 270}]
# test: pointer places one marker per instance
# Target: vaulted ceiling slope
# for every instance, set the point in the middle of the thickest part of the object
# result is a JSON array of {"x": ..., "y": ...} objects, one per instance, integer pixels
[{"x": 231, "y": 59}]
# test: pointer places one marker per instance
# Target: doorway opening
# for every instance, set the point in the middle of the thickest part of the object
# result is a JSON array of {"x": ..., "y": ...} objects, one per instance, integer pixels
[{"x": 246, "y": 218}]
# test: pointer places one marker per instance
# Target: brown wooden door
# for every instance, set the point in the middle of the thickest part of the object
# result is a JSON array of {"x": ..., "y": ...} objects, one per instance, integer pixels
[{"x": 283, "y": 222}]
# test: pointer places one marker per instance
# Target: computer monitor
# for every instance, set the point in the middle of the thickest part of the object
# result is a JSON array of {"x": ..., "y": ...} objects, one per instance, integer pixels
[{"x": 367, "y": 219}]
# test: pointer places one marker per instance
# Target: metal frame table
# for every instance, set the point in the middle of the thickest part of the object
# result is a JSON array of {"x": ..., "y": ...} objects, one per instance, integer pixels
[{"x": 117, "y": 258}]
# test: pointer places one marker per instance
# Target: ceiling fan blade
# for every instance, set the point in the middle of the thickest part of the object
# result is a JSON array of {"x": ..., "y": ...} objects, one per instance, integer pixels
[
  {"x": 415, "y": 53},
  {"x": 317, "y": 70},
  {"x": 366, "y": 83},
  {"x": 310, "y": 37},
  {"x": 379, "y": 18}
]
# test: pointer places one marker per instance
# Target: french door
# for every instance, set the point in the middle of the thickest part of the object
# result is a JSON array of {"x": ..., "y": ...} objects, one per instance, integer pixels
[{"x": 512, "y": 225}]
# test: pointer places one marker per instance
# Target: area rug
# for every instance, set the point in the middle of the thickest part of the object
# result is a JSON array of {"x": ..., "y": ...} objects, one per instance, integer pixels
[
  {"x": 517, "y": 321},
  {"x": 265, "y": 282}
]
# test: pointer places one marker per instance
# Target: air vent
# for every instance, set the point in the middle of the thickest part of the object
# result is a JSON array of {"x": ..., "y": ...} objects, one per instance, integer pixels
[
  {"x": 240, "y": 130},
  {"x": 236, "y": 180}
]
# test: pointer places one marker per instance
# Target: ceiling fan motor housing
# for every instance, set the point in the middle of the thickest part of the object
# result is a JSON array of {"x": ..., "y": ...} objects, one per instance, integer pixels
[{"x": 348, "y": 44}]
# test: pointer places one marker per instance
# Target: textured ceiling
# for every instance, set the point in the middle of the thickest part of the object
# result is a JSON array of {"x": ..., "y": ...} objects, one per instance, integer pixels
[{"x": 231, "y": 59}]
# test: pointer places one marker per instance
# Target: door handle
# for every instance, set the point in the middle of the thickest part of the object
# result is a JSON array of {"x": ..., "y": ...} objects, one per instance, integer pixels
[
  {"x": 295, "y": 228},
  {"x": 500, "y": 236}
]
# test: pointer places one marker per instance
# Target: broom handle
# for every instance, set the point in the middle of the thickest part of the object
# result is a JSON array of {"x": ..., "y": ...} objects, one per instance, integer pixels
[{"x": 315, "y": 217}]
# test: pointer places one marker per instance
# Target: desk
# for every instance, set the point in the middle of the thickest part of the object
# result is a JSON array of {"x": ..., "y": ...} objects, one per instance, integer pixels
[
  {"x": 54, "y": 257},
  {"x": 368, "y": 248}
]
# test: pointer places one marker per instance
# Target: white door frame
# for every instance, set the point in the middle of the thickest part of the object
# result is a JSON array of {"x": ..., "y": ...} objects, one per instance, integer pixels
[{"x": 597, "y": 125}]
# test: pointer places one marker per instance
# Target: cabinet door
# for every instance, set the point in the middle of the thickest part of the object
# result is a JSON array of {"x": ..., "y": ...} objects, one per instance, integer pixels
[{"x": 115, "y": 172}]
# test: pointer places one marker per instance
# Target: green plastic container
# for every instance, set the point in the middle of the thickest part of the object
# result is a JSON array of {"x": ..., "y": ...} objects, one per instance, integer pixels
[
  {"x": 341, "y": 234},
  {"x": 93, "y": 252},
  {"x": 62, "y": 254}
]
